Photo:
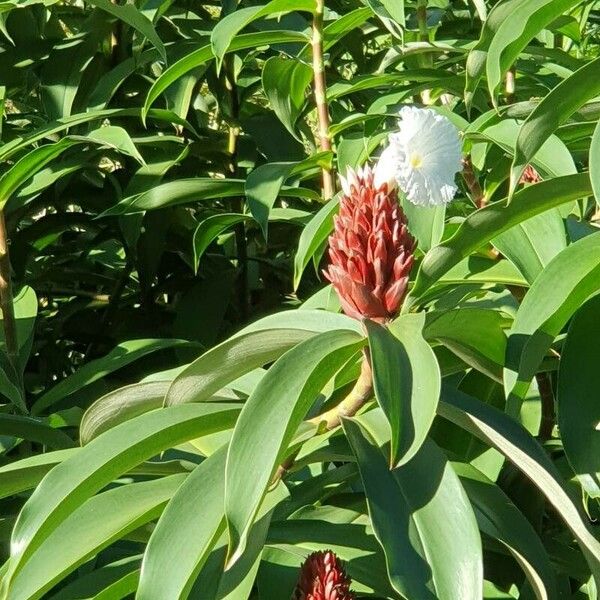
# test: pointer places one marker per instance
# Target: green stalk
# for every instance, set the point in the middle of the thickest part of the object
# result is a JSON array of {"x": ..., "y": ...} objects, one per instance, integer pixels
[{"x": 320, "y": 90}]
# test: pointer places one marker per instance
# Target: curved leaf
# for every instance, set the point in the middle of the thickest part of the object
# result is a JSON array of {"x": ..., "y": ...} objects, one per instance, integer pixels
[
  {"x": 406, "y": 381},
  {"x": 552, "y": 111},
  {"x": 76, "y": 479},
  {"x": 486, "y": 223},
  {"x": 556, "y": 294},
  {"x": 578, "y": 381},
  {"x": 269, "y": 420},
  {"x": 434, "y": 549}
]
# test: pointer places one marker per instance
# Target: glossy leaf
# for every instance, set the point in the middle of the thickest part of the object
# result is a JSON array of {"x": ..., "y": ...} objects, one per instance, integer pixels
[
  {"x": 484, "y": 224},
  {"x": 434, "y": 549},
  {"x": 270, "y": 418},
  {"x": 556, "y": 294},
  {"x": 406, "y": 380},
  {"x": 552, "y": 111},
  {"x": 578, "y": 378}
]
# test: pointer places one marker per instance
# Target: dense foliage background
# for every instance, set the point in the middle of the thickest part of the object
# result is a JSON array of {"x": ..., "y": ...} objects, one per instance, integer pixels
[{"x": 167, "y": 188}]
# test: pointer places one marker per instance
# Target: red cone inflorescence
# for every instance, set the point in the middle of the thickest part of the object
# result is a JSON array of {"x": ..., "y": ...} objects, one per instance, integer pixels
[
  {"x": 322, "y": 577},
  {"x": 370, "y": 250},
  {"x": 530, "y": 175}
]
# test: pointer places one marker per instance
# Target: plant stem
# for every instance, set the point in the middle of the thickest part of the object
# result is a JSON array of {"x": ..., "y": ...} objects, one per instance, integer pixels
[
  {"x": 237, "y": 203},
  {"x": 320, "y": 89},
  {"x": 510, "y": 85},
  {"x": 472, "y": 182},
  {"x": 6, "y": 299},
  {"x": 425, "y": 60},
  {"x": 360, "y": 393}
]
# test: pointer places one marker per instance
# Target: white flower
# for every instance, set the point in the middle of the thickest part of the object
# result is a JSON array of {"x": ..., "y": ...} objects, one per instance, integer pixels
[{"x": 422, "y": 157}]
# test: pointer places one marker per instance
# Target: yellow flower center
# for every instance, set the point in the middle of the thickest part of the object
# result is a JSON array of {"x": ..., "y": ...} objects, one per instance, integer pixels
[{"x": 416, "y": 160}]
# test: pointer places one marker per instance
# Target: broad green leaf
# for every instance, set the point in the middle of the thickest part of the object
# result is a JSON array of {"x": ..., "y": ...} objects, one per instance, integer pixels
[
  {"x": 595, "y": 163},
  {"x": 26, "y": 473},
  {"x": 556, "y": 107},
  {"x": 122, "y": 355},
  {"x": 118, "y": 138},
  {"x": 34, "y": 430},
  {"x": 406, "y": 381},
  {"x": 578, "y": 378},
  {"x": 229, "y": 360},
  {"x": 499, "y": 518},
  {"x": 27, "y": 166},
  {"x": 486, "y": 223},
  {"x": 93, "y": 526},
  {"x": 104, "y": 583},
  {"x": 264, "y": 183},
  {"x": 79, "y": 477},
  {"x": 313, "y": 237},
  {"x": 205, "y": 54},
  {"x": 285, "y": 82},
  {"x": 229, "y": 26},
  {"x": 477, "y": 269},
  {"x": 556, "y": 294},
  {"x": 426, "y": 223},
  {"x": 130, "y": 14},
  {"x": 434, "y": 549},
  {"x": 181, "y": 191},
  {"x": 514, "y": 441},
  {"x": 525, "y": 20},
  {"x": 269, "y": 420},
  {"x": 532, "y": 244},
  {"x": 552, "y": 159},
  {"x": 17, "y": 144},
  {"x": 210, "y": 228},
  {"x": 184, "y": 536},
  {"x": 121, "y": 405},
  {"x": 474, "y": 334}
]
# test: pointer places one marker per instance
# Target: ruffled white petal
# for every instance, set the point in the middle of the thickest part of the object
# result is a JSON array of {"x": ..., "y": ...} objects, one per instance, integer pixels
[{"x": 423, "y": 157}]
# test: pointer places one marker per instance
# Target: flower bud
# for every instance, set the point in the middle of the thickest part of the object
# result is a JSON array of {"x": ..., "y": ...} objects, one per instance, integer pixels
[
  {"x": 322, "y": 577},
  {"x": 370, "y": 250}
]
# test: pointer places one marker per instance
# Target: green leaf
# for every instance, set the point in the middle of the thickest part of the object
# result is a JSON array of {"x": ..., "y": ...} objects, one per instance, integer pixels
[
  {"x": 434, "y": 549},
  {"x": 211, "y": 228},
  {"x": 526, "y": 19},
  {"x": 552, "y": 159},
  {"x": 554, "y": 110},
  {"x": 474, "y": 334},
  {"x": 486, "y": 223},
  {"x": 87, "y": 530},
  {"x": 120, "y": 356},
  {"x": 26, "y": 473},
  {"x": 406, "y": 380},
  {"x": 184, "y": 536},
  {"x": 30, "y": 164},
  {"x": 229, "y": 26},
  {"x": 130, "y": 14},
  {"x": 118, "y": 138},
  {"x": 269, "y": 420},
  {"x": 313, "y": 237},
  {"x": 285, "y": 82},
  {"x": 119, "y": 406},
  {"x": 79, "y": 477},
  {"x": 205, "y": 54},
  {"x": 578, "y": 379},
  {"x": 264, "y": 183},
  {"x": 426, "y": 223},
  {"x": 556, "y": 294},
  {"x": 181, "y": 191},
  {"x": 31, "y": 429},
  {"x": 532, "y": 244},
  {"x": 594, "y": 163},
  {"x": 514, "y": 441},
  {"x": 499, "y": 518}
]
